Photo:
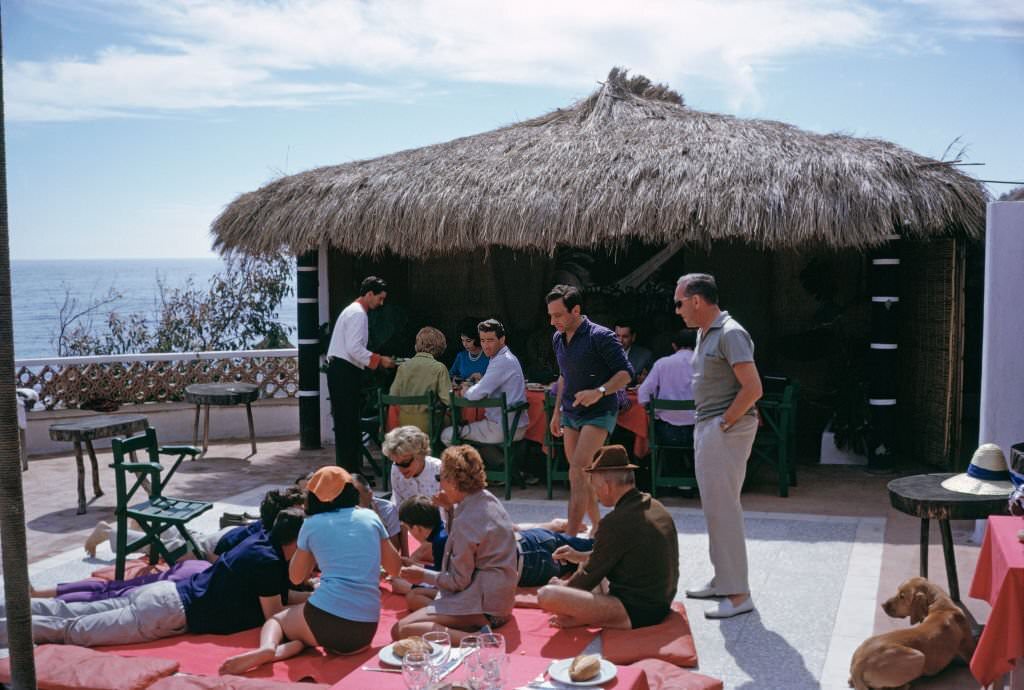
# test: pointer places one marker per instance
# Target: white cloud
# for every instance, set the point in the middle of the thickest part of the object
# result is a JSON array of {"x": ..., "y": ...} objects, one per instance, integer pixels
[
  {"x": 211, "y": 54},
  {"x": 999, "y": 18}
]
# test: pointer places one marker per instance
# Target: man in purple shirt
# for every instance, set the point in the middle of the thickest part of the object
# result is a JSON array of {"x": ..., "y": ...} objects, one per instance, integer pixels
[
  {"x": 593, "y": 368},
  {"x": 671, "y": 378}
]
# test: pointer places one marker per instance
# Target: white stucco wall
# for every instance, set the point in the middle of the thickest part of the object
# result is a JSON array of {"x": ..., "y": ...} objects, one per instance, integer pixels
[{"x": 1002, "y": 360}]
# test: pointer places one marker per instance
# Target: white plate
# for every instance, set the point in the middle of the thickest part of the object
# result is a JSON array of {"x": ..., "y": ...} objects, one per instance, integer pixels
[
  {"x": 387, "y": 655},
  {"x": 559, "y": 670}
]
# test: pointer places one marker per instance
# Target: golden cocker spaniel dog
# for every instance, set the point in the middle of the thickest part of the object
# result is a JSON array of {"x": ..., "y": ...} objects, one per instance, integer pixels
[{"x": 939, "y": 634}]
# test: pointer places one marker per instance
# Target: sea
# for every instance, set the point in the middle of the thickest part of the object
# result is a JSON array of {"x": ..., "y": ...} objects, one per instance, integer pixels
[{"x": 41, "y": 288}]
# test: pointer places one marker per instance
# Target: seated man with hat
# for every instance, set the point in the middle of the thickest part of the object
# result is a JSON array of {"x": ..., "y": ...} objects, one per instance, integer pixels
[{"x": 636, "y": 548}]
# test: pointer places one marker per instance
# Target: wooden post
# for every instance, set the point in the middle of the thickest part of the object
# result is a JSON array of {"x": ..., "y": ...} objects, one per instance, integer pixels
[
  {"x": 307, "y": 289},
  {"x": 883, "y": 358}
]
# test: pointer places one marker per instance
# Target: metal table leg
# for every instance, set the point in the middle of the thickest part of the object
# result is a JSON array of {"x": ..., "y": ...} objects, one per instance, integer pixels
[
  {"x": 924, "y": 548},
  {"x": 947, "y": 552},
  {"x": 80, "y": 462},
  {"x": 252, "y": 429}
]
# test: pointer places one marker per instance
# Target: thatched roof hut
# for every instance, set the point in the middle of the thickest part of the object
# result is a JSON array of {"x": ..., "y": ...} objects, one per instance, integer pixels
[
  {"x": 631, "y": 161},
  {"x": 485, "y": 224}
]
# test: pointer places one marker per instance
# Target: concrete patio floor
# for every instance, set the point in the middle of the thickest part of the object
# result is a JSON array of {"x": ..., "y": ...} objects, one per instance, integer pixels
[{"x": 824, "y": 490}]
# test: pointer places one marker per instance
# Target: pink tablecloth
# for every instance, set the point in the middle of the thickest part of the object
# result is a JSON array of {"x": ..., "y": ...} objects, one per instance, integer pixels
[
  {"x": 521, "y": 670},
  {"x": 999, "y": 580}
]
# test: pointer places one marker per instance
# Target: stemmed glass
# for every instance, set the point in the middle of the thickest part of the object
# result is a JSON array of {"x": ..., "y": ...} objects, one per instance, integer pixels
[
  {"x": 416, "y": 671},
  {"x": 440, "y": 646},
  {"x": 470, "y": 650},
  {"x": 492, "y": 659}
]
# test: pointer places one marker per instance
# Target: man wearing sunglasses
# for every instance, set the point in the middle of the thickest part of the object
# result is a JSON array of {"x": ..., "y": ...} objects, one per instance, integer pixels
[{"x": 726, "y": 385}]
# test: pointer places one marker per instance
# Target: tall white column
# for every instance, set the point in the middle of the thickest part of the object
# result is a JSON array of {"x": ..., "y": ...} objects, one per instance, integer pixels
[{"x": 1002, "y": 358}]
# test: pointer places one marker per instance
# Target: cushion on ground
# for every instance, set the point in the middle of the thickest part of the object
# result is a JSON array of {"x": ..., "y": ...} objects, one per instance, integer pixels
[
  {"x": 670, "y": 640},
  {"x": 66, "y": 667},
  {"x": 527, "y": 633},
  {"x": 190, "y": 682},
  {"x": 662, "y": 675}
]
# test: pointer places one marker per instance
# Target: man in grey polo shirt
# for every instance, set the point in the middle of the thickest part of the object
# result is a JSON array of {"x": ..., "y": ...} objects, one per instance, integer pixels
[{"x": 726, "y": 385}]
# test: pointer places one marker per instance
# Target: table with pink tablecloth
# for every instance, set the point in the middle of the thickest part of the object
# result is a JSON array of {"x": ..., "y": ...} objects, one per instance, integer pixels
[{"x": 999, "y": 580}]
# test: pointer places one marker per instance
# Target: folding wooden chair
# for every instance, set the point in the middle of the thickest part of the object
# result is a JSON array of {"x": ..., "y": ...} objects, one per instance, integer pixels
[{"x": 509, "y": 445}]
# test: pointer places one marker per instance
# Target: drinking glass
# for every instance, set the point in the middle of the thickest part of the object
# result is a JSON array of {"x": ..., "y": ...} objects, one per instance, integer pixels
[
  {"x": 416, "y": 671},
  {"x": 492, "y": 659},
  {"x": 440, "y": 646},
  {"x": 470, "y": 649}
]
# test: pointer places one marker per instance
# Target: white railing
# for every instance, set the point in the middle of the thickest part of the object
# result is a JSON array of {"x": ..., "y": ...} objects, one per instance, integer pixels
[{"x": 68, "y": 382}]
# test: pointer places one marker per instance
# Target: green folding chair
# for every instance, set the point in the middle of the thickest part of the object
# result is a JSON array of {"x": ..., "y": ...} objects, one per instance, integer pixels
[
  {"x": 435, "y": 415},
  {"x": 775, "y": 443},
  {"x": 659, "y": 476},
  {"x": 159, "y": 512},
  {"x": 509, "y": 446},
  {"x": 557, "y": 463}
]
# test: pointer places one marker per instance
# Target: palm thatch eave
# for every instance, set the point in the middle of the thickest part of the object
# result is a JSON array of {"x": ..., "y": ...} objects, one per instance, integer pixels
[{"x": 630, "y": 162}]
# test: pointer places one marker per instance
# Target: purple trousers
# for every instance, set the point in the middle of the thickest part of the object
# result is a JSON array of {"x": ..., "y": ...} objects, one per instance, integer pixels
[{"x": 95, "y": 590}]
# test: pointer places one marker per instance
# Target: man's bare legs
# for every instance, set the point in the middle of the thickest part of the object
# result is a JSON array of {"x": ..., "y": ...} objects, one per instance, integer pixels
[
  {"x": 580, "y": 447},
  {"x": 425, "y": 620},
  {"x": 571, "y": 608},
  {"x": 289, "y": 623}
]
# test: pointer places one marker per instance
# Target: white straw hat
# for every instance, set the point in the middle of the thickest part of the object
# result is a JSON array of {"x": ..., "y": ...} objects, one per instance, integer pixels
[{"x": 987, "y": 475}]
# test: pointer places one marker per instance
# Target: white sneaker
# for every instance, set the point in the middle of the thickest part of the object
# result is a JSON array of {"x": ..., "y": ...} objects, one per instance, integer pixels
[
  {"x": 705, "y": 592},
  {"x": 726, "y": 609}
]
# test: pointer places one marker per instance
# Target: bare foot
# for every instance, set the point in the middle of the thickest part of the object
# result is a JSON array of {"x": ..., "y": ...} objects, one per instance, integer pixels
[
  {"x": 100, "y": 533},
  {"x": 240, "y": 663},
  {"x": 564, "y": 621}
]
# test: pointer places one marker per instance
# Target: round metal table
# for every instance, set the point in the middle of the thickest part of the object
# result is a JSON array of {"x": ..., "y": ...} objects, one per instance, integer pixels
[
  {"x": 922, "y": 495},
  {"x": 85, "y": 429},
  {"x": 207, "y": 394}
]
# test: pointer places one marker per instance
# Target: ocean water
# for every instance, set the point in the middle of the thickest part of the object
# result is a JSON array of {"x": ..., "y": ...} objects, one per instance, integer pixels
[{"x": 39, "y": 289}]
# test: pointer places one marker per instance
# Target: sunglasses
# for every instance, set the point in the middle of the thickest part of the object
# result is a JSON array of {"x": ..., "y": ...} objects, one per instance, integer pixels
[
  {"x": 405, "y": 463},
  {"x": 679, "y": 302}
]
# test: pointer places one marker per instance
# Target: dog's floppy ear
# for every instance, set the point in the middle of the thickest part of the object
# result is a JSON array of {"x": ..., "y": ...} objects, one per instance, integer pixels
[{"x": 918, "y": 607}]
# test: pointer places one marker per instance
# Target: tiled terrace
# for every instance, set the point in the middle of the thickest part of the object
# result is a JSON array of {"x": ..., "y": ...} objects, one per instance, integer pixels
[{"x": 853, "y": 560}]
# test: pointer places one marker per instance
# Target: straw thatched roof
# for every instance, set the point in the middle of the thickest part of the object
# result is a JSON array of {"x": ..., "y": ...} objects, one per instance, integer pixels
[{"x": 631, "y": 161}]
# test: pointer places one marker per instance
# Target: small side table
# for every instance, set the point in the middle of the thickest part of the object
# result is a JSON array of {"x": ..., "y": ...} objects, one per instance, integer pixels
[
  {"x": 85, "y": 430},
  {"x": 922, "y": 495},
  {"x": 207, "y": 394}
]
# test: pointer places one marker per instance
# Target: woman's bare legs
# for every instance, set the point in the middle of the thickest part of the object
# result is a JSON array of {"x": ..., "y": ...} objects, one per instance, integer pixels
[{"x": 289, "y": 623}]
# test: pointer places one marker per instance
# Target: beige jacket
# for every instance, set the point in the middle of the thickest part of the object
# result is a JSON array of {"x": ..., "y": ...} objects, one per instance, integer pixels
[{"x": 478, "y": 574}]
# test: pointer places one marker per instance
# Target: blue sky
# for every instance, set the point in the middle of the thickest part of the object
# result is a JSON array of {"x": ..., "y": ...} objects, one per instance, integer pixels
[{"x": 130, "y": 125}]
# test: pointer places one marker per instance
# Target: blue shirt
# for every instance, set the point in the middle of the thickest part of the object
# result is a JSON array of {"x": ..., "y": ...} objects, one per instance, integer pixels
[
  {"x": 464, "y": 367},
  {"x": 234, "y": 537},
  {"x": 504, "y": 375},
  {"x": 437, "y": 538},
  {"x": 225, "y": 598},
  {"x": 588, "y": 360},
  {"x": 346, "y": 546}
]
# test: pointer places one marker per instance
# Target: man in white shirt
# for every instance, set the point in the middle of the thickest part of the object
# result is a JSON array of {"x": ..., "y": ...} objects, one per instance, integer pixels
[
  {"x": 504, "y": 375},
  {"x": 347, "y": 356}
]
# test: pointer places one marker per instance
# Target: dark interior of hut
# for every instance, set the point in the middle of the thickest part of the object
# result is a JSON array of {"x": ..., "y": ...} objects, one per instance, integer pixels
[{"x": 808, "y": 311}]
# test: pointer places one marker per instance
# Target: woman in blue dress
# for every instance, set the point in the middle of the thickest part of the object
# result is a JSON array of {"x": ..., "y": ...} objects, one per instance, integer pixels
[{"x": 471, "y": 363}]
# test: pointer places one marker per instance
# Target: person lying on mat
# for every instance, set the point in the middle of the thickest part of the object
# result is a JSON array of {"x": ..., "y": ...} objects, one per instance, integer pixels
[
  {"x": 636, "y": 548},
  {"x": 535, "y": 545},
  {"x": 95, "y": 589},
  {"x": 246, "y": 585},
  {"x": 212, "y": 544},
  {"x": 349, "y": 545},
  {"x": 477, "y": 580}
]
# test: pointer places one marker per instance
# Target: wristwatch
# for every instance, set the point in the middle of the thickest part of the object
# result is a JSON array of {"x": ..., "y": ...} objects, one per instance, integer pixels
[{"x": 602, "y": 390}]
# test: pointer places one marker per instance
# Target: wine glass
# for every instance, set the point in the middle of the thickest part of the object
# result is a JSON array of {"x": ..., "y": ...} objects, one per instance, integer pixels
[
  {"x": 416, "y": 670},
  {"x": 440, "y": 646},
  {"x": 470, "y": 650}
]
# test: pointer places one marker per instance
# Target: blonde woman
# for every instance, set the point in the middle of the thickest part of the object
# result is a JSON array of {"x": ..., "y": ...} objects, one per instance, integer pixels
[
  {"x": 478, "y": 576},
  {"x": 423, "y": 374}
]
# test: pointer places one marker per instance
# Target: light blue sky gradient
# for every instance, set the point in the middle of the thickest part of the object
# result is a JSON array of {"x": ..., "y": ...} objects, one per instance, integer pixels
[{"x": 130, "y": 125}]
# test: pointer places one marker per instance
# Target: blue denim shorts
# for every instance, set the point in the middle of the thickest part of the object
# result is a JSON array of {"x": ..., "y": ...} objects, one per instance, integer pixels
[
  {"x": 606, "y": 421},
  {"x": 536, "y": 547}
]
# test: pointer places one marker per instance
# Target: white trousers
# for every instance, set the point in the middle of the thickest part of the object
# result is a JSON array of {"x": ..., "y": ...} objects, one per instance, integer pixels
[{"x": 484, "y": 431}]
